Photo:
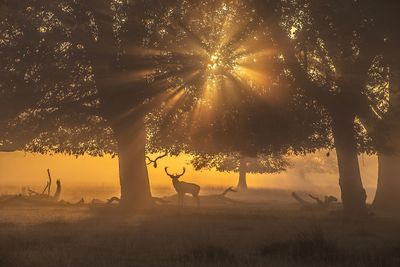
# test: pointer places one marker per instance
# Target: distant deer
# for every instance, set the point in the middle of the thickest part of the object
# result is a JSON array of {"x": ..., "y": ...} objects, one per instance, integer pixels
[
  {"x": 183, "y": 188},
  {"x": 155, "y": 160}
]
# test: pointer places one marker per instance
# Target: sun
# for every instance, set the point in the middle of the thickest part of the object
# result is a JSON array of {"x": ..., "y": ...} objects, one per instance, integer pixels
[
  {"x": 220, "y": 66},
  {"x": 211, "y": 52},
  {"x": 222, "y": 61},
  {"x": 215, "y": 62}
]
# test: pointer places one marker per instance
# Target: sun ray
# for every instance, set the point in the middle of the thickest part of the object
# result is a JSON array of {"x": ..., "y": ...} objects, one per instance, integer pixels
[{"x": 216, "y": 51}]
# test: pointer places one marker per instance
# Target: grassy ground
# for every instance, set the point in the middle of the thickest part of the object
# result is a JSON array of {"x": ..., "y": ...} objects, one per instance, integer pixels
[{"x": 231, "y": 235}]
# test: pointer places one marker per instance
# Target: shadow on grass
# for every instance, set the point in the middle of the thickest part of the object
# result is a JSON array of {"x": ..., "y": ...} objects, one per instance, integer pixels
[
  {"x": 207, "y": 253},
  {"x": 306, "y": 246},
  {"x": 107, "y": 236},
  {"x": 314, "y": 248}
]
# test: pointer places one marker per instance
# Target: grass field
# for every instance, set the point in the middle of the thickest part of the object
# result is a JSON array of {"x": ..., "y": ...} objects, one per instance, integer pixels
[{"x": 219, "y": 235}]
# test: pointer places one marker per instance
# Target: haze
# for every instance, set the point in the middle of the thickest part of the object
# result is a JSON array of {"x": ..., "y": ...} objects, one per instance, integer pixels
[
  {"x": 84, "y": 175},
  {"x": 196, "y": 133}
]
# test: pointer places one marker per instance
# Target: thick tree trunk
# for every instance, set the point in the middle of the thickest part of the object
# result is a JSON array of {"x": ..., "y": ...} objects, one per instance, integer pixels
[
  {"x": 119, "y": 104},
  {"x": 134, "y": 180},
  {"x": 353, "y": 193},
  {"x": 387, "y": 196},
  {"x": 242, "y": 184}
]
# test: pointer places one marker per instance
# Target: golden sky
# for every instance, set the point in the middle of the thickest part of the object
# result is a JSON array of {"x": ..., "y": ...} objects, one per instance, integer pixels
[{"x": 19, "y": 169}]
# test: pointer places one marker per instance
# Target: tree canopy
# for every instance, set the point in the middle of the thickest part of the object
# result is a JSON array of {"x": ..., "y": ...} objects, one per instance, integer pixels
[{"x": 208, "y": 78}]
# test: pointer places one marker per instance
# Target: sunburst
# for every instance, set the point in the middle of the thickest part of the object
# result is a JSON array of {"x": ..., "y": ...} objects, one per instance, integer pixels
[{"x": 210, "y": 50}]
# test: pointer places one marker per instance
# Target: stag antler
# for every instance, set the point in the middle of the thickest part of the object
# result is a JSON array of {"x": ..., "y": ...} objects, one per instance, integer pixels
[
  {"x": 174, "y": 176},
  {"x": 166, "y": 171},
  {"x": 184, "y": 170}
]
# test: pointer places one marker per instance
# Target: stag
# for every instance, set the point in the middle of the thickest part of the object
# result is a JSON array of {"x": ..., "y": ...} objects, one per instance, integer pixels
[{"x": 183, "y": 188}]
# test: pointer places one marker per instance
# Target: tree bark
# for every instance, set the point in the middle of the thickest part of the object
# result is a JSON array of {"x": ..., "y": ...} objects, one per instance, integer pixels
[
  {"x": 120, "y": 105},
  {"x": 242, "y": 184},
  {"x": 387, "y": 196},
  {"x": 352, "y": 191},
  {"x": 134, "y": 179}
]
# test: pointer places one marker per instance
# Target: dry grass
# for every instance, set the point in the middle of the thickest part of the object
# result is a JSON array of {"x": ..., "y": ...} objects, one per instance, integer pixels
[{"x": 209, "y": 236}]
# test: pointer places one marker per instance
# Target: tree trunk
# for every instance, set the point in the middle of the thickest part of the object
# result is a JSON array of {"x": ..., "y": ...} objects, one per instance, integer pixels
[
  {"x": 353, "y": 193},
  {"x": 387, "y": 197},
  {"x": 242, "y": 184},
  {"x": 134, "y": 179},
  {"x": 130, "y": 134}
]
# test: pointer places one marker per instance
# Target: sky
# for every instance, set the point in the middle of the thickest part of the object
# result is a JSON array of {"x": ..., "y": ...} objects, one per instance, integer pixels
[{"x": 100, "y": 175}]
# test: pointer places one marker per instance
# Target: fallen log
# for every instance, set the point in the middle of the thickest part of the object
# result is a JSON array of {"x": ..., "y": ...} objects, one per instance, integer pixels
[
  {"x": 223, "y": 198},
  {"x": 213, "y": 198},
  {"x": 46, "y": 193},
  {"x": 320, "y": 204},
  {"x": 155, "y": 199}
]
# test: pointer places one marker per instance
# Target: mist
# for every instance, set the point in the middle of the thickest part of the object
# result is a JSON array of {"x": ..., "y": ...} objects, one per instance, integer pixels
[
  {"x": 97, "y": 177},
  {"x": 199, "y": 133}
]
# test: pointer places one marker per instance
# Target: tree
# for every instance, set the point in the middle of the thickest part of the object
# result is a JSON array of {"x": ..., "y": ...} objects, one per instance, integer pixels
[
  {"x": 329, "y": 48},
  {"x": 388, "y": 189},
  {"x": 34, "y": 103},
  {"x": 240, "y": 164},
  {"x": 198, "y": 81},
  {"x": 96, "y": 97},
  {"x": 236, "y": 112}
]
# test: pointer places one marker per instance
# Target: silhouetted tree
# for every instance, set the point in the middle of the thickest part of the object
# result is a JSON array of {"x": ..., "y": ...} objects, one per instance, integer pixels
[
  {"x": 84, "y": 82},
  {"x": 388, "y": 189},
  {"x": 229, "y": 110},
  {"x": 240, "y": 164},
  {"x": 329, "y": 48},
  {"x": 35, "y": 104},
  {"x": 200, "y": 86}
]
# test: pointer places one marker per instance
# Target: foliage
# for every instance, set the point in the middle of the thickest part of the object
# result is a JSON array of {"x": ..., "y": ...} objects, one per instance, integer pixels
[
  {"x": 211, "y": 77},
  {"x": 229, "y": 92},
  {"x": 232, "y": 163}
]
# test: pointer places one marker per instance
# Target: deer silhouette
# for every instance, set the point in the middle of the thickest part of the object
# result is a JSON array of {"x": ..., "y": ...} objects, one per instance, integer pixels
[{"x": 183, "y": 188}]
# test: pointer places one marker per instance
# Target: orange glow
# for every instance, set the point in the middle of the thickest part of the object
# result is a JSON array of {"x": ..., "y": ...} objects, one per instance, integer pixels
[
  {"x": 220, "y": 48},
  {"x": 91, "y": 177}
]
